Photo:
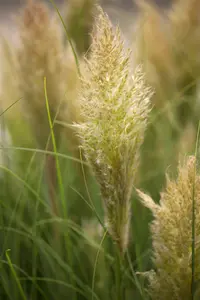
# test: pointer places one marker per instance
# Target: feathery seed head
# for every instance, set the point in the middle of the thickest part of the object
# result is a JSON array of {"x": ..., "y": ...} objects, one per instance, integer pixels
[
  {"x": 184, "y": 27},
  {"x": 41, "y": 54},
  {"x": 10, "y": 92},
  {"x": 114, "y": 108},
  {"x": 153, "y": 50},
  {"x": 172, "y": 235}
]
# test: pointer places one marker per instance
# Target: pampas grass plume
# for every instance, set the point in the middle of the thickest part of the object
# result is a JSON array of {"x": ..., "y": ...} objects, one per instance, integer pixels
[
  {"x": 114, "y": 107},
  {"x": 172, "y": 235},
  {"x": 41, "y": 54}
]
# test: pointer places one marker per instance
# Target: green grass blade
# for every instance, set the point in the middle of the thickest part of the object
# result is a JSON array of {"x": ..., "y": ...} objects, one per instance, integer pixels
[
  {"x": 27, "y": 186},
  {"x": 88, "y": 193},
  {"x": 96, "y": 261},
  {"x": 68, "y": 37},
  {"x": 15, "y": 276},
  {"x": 59, "y": 176},
  {"x": 60, "y": 182},
  {"x": 194, "y": 221},
  {"x": 10, "y": 107},
  {"x": 61, "y": 155}
]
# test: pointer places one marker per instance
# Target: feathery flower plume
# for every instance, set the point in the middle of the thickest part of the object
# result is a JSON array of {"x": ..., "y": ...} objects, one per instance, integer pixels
[
  {"x": 168, "y": 46},
  {"x": 159, "y": 48},
  {"x": 10, "y": 97},
  {"x": 184, "y": 26},
  {"x": 153, "y": 51},
  {"x": 114, "y": 107},
  {"x": 41, "y": 54},
  {"x": 172, "y": 235}
]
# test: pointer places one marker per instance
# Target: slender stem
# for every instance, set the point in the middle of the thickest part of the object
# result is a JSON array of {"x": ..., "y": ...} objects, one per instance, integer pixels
[
  {"x": 193, "y": 246},
  {"x": 52, "y": 182},
  {"x": 96, "y": 260},
  {"x": 67, "y": 240},
  {"x": 118, "y": 275},
  {"x": 194, "y": 220},
  {"x": 68, "y": 37},
  {"x": 23, "y": 296}
]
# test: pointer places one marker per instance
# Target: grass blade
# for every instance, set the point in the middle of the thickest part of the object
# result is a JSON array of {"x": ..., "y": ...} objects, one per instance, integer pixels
[
  {"x": 68, "y": 37},
  {"x": 15, "y": 276},
  {"x": 194, "y": 221}
]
